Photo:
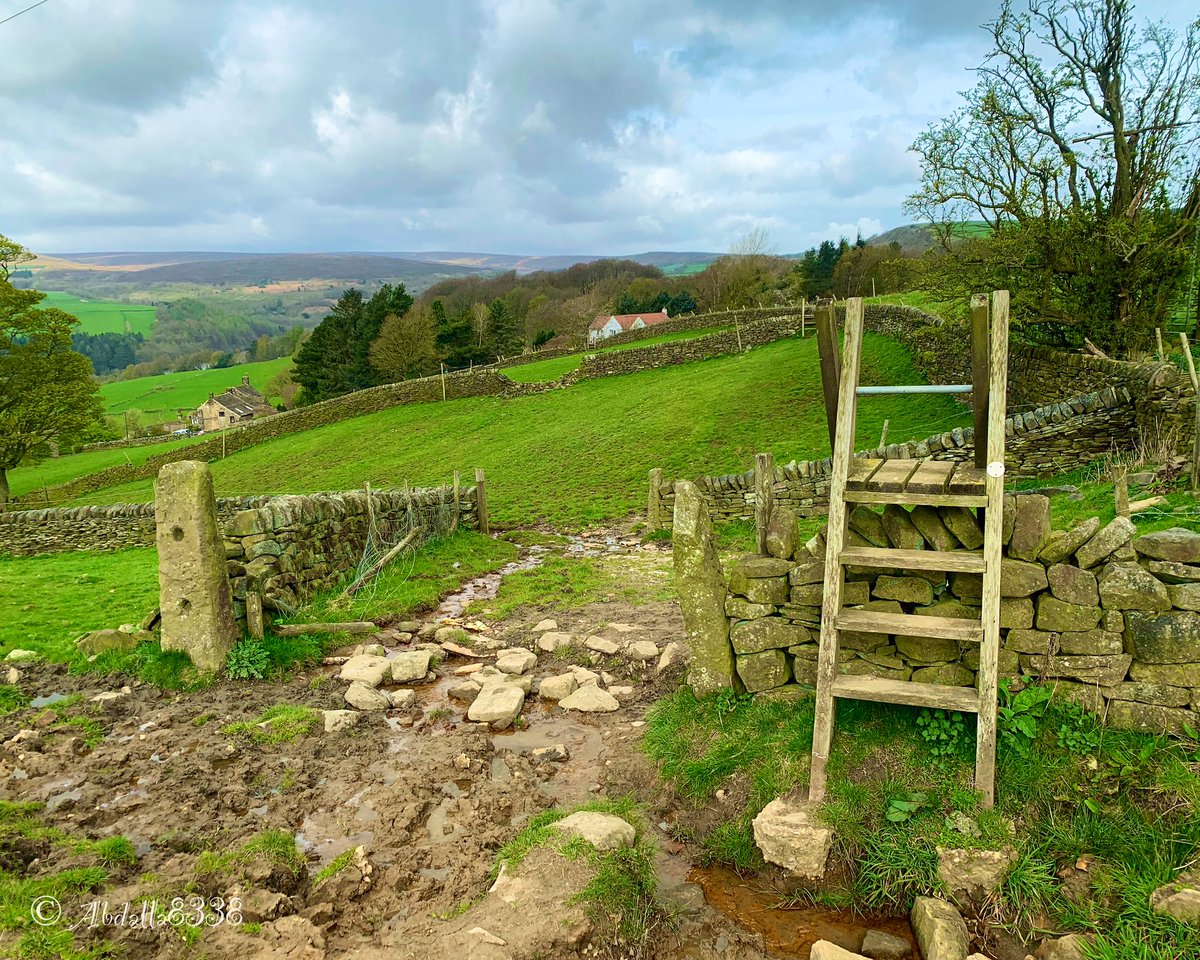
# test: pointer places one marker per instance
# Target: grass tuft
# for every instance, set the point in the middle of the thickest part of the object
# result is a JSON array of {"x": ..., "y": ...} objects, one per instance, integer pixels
[{"x": 282, "y": 723}]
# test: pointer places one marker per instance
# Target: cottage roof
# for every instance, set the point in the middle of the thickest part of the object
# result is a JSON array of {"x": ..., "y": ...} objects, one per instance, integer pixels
[
  {"x": 243, "y": 400},
  {"x": 627, "y": 320}
]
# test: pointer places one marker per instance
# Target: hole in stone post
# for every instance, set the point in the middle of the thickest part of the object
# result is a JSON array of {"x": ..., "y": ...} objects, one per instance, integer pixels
[
  {"x": 185, "y": 605},
  {"x": 177, "y": 534}
]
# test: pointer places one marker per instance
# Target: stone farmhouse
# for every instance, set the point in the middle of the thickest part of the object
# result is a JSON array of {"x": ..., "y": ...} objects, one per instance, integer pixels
[
  {"x": 236, "y": 405},
  {"x": 604, "y": 327}
]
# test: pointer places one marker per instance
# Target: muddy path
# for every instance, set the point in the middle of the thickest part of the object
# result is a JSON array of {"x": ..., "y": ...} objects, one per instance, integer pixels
[{"x": 395, "y": 821}]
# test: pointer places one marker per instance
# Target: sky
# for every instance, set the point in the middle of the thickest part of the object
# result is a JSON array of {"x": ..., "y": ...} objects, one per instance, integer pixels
[{"x": 501, "y": 126}]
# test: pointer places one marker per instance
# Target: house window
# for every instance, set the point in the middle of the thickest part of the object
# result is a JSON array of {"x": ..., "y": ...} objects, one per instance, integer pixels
[{"x": 221, "y": 414}]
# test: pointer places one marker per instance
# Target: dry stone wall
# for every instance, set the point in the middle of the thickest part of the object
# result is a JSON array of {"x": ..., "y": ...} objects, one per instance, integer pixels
[
  {"x": 116, "y": 527},
  {"x": 756, "y": 334},
  {"x": 1111, "y": 617},
  {"x": 1052, "y": 439},
  {"x": 287, "y": 548},
  {"x": 702, "y": 321}
]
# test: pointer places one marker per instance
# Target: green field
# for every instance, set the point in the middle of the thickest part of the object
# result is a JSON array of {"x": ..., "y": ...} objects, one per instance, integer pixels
[
  {"x": 103, "y": 316},
  {"x": 51, "y": 473},
  {"x": 582, "y": 454},
  {"x": 543, "y": 371},
  {"x": 48, "y": 601},
  {"x": 187, "y": 389}
]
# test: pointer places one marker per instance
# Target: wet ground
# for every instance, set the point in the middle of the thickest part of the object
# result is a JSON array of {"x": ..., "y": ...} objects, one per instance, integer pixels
[{"x": 426, "y": 795}]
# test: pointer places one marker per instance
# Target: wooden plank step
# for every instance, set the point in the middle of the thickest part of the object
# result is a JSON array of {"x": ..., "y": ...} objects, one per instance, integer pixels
[
  {"x": 953, "y": 561},
  {"x": 914, "y": 499},
  {"x": 905, "y": 691},
  {"x": 913, "y": 625},
  {"x": 861, "y": 471}
]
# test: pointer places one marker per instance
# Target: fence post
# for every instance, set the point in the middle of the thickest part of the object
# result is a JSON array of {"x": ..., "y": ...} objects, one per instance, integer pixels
[
  {"x": 764, "y": 496},
  {"x": 1187, "y": 354},
  {"x": 654, "y": 507},
  {"x": 481, "y": 500},
  {"x": 254, "y": 614}
]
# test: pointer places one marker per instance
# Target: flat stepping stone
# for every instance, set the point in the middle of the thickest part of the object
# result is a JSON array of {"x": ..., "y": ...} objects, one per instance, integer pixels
[{"x": 590, "y": 699}]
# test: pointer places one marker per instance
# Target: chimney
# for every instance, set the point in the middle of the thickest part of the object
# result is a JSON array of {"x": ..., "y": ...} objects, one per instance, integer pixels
[
  {"x": 212, "y": 396},
  {"x": 246, "y": 379},
  {"x": 664, "y": 311}
]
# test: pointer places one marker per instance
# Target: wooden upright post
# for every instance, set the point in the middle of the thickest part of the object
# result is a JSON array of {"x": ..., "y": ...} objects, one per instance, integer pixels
[
  {"x": 980, "y": 375},
  {"x": 1191, "y": 365},
  {"x": 654, "y": 505},
  {"x": 481, "y": 500},
  {"x": 764, "y": 497},
  {"x": 831, "y": 366}
]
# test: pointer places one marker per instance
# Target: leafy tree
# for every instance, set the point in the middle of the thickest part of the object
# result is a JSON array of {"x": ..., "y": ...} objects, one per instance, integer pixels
[
  {"x": 336, "y": 359},
  {"x": 682, "y": 302},
  {"x": 109, "y": 352},
  {"x": 1079, "y": 150},
  {"x": 46, "y": 389},
  {"x": 405, "y": 345}
]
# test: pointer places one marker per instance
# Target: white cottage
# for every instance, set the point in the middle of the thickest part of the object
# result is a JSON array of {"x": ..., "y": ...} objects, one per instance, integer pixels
[{"x": 605, "y": 327}]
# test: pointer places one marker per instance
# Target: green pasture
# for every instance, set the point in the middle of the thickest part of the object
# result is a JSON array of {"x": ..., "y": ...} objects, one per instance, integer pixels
[{"x": 103, "y": 316}]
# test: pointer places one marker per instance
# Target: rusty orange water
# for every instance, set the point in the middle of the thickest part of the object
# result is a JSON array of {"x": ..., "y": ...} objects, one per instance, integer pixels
[{"x": 790, "y": 932}]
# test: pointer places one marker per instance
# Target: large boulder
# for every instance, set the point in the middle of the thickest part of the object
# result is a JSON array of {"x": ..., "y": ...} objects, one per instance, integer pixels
[
  {"x": 701, "y": 589},
  {"x": 941, "y": 932},
  {"x": 789, "y": 835},
  {"x": 367, "y": 668}
]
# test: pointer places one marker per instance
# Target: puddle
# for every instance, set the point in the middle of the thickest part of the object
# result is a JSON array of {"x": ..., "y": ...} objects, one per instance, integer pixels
[
  {"x": 48, "y": 700},
  {"x": 790, "y": 932},
  {"x": 483, "y": 588},
  {"x": 321, "y": 823}
]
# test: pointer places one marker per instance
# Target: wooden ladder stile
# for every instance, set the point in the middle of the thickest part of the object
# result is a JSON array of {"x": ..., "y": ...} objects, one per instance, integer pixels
[{"x": 937, "y": 483}]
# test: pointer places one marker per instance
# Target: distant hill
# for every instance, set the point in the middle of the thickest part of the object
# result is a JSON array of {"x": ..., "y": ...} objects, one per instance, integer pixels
[
  {"x": 916, "y": 238},
  {"x": 242, "y": 269}
]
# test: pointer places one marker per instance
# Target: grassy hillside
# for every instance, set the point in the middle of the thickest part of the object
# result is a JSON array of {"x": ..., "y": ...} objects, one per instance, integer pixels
[
  {"x": 50, "y": 473},
  {"x": 543, "y": 371},
  {"x": 103, "y": 316},
  {"x": 188, "y": 388},
  {"x": 582, "y": 454}
]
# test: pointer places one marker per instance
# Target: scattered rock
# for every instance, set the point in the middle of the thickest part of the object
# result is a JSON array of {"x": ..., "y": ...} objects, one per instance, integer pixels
[
  {"x": 402, "y": 699},
  {"x": 600, "y": 645},
  {"x": 557, "y": 753},
  {"x": 643, "y": 650},
  {"x": 824, "y": 950},
  {"x": 878, "y": 945},
  {"x": 549, "y": 642},
  {"x": 498, "y": 704},
  {"x": 544, "y": 625},
  {"x": 449, "y": 635},
  {"x": 1069, "y": 947},
  {"x": 338, "y": 720},
  {"x": 101, "y": 641},
  {"x": 464, "y": 692},
  {"x": 602, "y": 830},
  {"x": 362, "y": 696},
  {"x": 589, "y": 698},
  {"x": 370, "y": 649},
  {"x": 515, "y": 660},
  {"x": 13, "y": 676},
  {"x": 18, "y": 654},
  {"x": 370, "y": 669},
  {"x": 973, "y": 873},
  {"x": 673, "y": 653},
  {"x": 1180, "y": 899},
  {"x": 788, "y": 834},
  {"x": 941, "y": 932},
  {"x": 410, "y": 666},
  {"x": 558, "y": 688}
]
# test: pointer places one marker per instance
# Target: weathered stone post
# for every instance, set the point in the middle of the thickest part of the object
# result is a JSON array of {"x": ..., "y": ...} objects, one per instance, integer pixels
[
  {"x": 764, "y": 497},
  {"x": 194, "y": 594},
  {"x": 701, "y": 589}
]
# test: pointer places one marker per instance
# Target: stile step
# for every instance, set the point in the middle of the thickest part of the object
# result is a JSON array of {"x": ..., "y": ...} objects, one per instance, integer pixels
[
  {"x": 905, "y": 691},
  {"x": 954, "y": 561},
  {"x": 913, "y": 625}
]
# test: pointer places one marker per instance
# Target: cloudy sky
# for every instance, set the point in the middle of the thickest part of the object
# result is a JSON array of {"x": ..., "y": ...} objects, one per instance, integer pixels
[{"x": 508, "y": 126}]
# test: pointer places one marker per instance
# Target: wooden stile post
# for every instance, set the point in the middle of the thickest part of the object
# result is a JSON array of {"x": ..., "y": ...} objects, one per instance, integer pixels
[
  {"x": 979, "y": 375},
  {"x": 831, "y": 366},
  {"x": 1191, "y": 365},
  {"x": 764, "y": 497},
  {"x": 254, "y": 614},
  {"x": 481, "y": 500},
  {"x": 654, "y": 506},
  {"x": 1158, "y": 337},
  {"x": 1121, "y": 491}
]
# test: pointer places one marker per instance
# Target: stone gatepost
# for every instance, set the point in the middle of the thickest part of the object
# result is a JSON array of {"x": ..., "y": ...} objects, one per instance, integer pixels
[
  {"x": 701, "y": 589},
  {"x": 194, "y": 594}
]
